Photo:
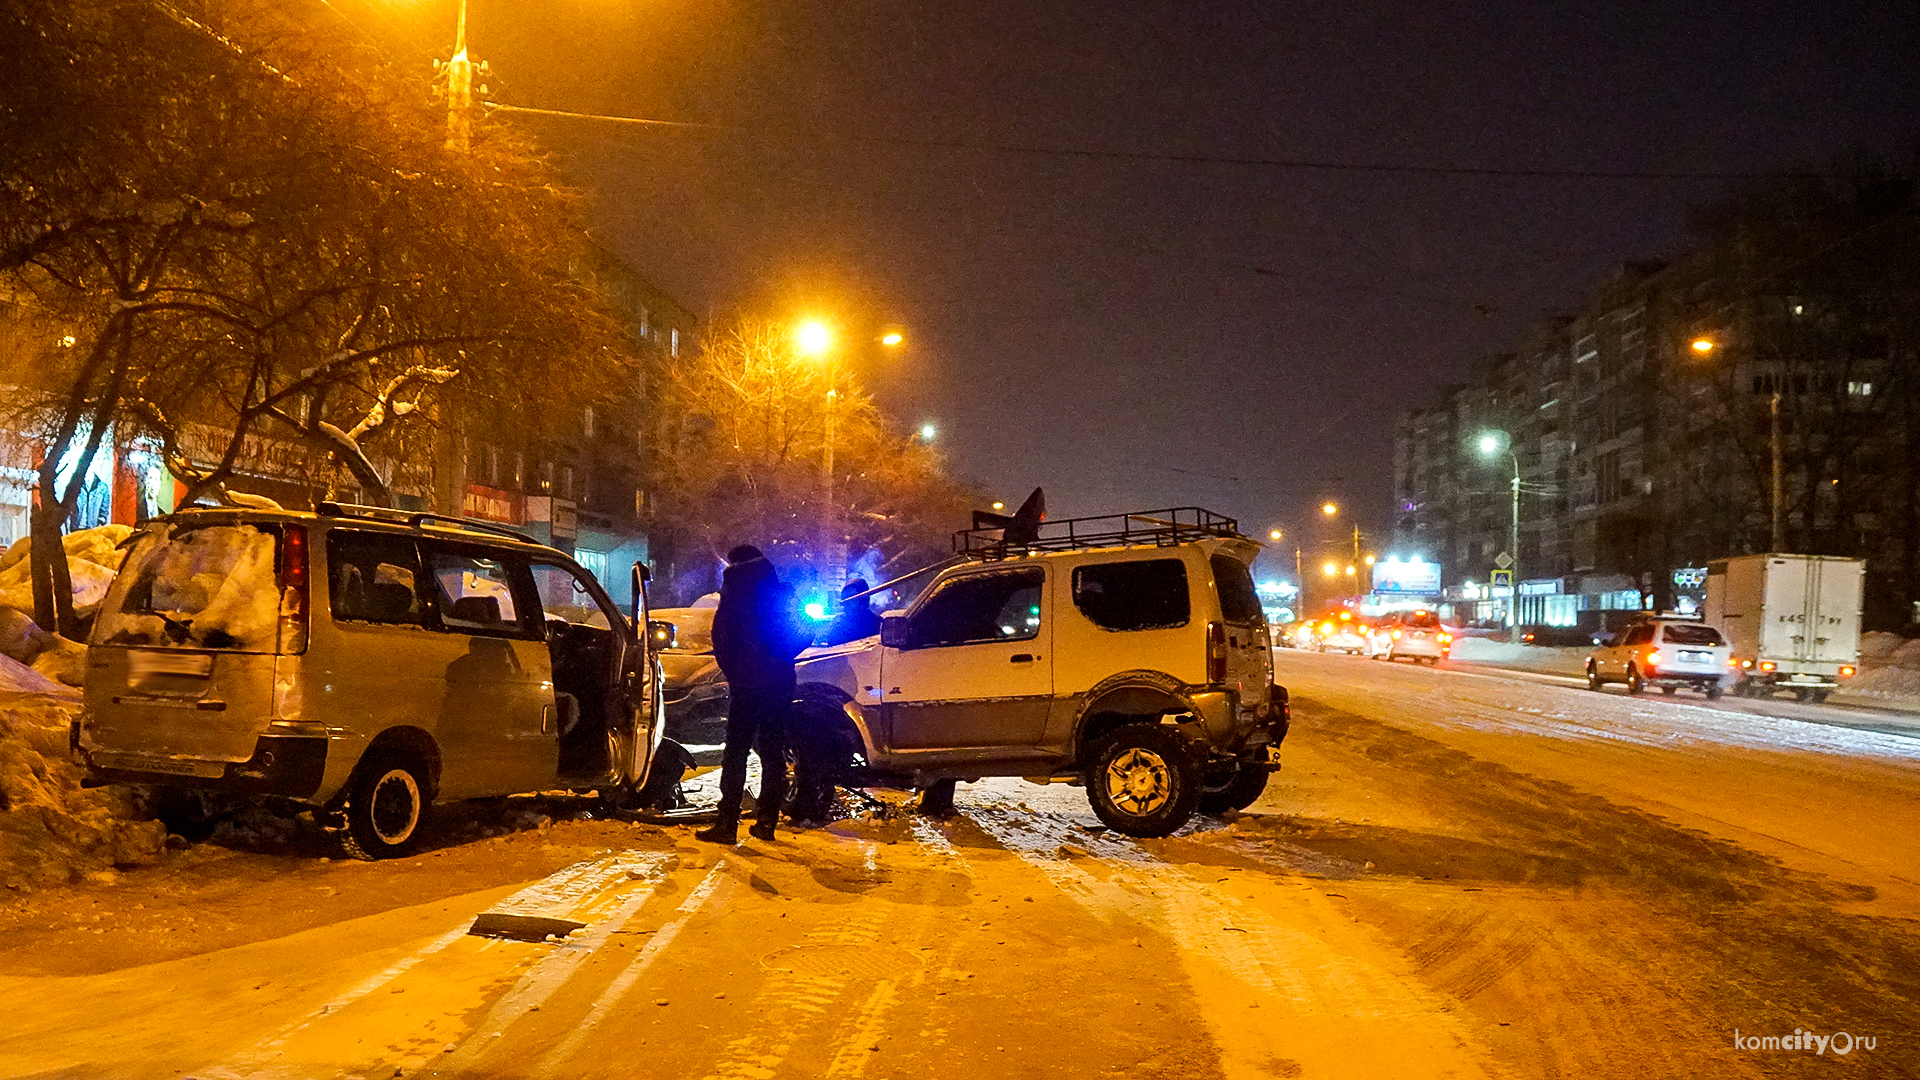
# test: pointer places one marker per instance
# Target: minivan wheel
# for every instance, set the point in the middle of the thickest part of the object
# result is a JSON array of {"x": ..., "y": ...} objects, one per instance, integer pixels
[
  {"x": 385, "y": 810},
  {"x": 1237, "y": 791},
  {"x": 1594, "y": 681},
  {"x": 1142, "y": 780},
  {"x": 1635, "y": 684}
]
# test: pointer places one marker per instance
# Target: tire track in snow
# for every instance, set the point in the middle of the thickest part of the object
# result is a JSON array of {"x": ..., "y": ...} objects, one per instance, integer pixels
[
  {"x": 570, "y": 890},
  {"x": 1320, "y": 999}
]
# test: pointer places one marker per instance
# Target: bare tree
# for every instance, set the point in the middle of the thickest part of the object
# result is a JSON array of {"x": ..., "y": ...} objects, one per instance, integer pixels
[{"x": 247, "y": 222}]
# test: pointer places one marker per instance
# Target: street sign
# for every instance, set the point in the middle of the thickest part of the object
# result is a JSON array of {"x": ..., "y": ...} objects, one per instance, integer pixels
[
  {"x": 1503, "y": 560},
  {"x": 1500, "y": 579}
]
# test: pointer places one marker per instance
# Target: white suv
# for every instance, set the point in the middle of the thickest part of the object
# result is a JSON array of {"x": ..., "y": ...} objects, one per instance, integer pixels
[
  {"x": 1125, "y": 653},
  {"x": 1667, "y": 653}
]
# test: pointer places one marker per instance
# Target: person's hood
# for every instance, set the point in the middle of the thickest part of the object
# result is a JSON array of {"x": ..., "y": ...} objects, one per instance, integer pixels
[{"x": 751, "y": 575}]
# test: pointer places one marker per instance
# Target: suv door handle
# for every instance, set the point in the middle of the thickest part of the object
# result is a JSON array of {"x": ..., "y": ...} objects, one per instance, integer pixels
[{"x": 1020, "y": 658}]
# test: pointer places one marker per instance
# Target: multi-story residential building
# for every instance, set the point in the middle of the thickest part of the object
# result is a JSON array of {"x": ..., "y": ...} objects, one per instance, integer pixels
[{"x": 1645, "y": 433}]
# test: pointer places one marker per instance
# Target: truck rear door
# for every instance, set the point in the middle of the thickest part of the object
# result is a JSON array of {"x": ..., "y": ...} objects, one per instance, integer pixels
[{"x": 1835, "y": 610}]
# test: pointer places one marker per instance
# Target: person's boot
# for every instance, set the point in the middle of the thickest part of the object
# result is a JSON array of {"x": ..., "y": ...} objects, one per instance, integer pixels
[
  {"x": 937, "y": 799},
  {"x": 724, "y": 830},
  {"x": 761, "y": 830}
]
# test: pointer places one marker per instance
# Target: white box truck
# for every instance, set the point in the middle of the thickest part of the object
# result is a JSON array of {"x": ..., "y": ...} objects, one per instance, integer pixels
[{"x": 1793, "y": 620}]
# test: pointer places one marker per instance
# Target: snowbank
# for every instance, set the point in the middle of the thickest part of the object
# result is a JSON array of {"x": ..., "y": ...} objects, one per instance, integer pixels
[
  {"x": 53, "y": 831},
  {"x": 93, "y": 559},
  {"x": 18, "y": 678}
]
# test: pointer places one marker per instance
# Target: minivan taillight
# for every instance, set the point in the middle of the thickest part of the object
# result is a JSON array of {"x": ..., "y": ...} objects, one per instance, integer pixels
[
  {"x": 293, "y": 589},
  {"x": 1216, "y": 652}
]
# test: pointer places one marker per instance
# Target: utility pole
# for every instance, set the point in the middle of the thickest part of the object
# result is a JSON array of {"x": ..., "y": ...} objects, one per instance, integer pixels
[{"x": 1779, "y": 485}]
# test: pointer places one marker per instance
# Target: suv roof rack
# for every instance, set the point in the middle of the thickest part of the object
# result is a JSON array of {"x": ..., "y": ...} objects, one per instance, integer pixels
[
  {"x": 417, "y": 519},
  {"x": 1161, "y": 528}
]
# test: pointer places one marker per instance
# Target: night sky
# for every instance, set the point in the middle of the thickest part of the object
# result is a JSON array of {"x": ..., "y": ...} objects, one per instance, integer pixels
[{"x": 1146, "y": 333}]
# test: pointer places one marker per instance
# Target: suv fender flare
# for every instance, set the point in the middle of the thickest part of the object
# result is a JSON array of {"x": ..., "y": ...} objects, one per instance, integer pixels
[
  {"x": 1124, "y": 698},
  {"x": 830, "y": 698}
]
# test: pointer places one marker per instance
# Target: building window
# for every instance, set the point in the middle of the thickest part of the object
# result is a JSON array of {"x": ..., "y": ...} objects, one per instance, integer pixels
[
  {"x": 673, "y": 343},
  {"x": 586, "y": 422},
  {"x": 593, "y": 562},
  {"x": 566, "y": 481},
  {"x": 1860, "y": 389}
]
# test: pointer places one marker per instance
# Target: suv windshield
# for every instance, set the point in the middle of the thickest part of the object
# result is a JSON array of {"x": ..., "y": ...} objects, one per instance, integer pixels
[
  {"x": 206, "y": 587},
  {"x": 1692, "y": 634},
  {"x": 1421, "y": 620}
]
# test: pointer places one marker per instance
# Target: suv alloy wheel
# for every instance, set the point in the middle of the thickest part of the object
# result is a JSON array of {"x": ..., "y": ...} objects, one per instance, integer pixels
[{"x": 1143, "y": 780}]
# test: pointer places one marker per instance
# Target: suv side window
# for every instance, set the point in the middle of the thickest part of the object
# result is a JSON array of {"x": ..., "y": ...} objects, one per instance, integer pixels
[
  {"x": 374, "y": 578},
  {"x": 979, "y": 607},
  {"x": 1239, "y": 603},
  {"x": 1150, "y": 595},
  {"x": 474, "y": 593},
  {"x": 1639, "y": 635}
]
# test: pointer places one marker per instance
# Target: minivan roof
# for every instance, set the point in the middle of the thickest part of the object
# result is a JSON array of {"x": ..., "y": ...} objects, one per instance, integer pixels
[{"x": 381, "y": 518}]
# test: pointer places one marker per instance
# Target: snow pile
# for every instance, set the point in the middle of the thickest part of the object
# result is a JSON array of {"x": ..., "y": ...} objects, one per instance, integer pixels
[
  {"x": 18, "y": 678},
  {"x": 53, "y": 831},
  {"x": 1877, "y": 645},
  {"x": 93, "y": 560}
]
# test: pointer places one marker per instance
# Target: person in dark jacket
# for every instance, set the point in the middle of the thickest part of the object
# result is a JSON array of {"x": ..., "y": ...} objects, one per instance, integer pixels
[
  {"x": 755, "y": 639},
  {"x": 856, "y": 619}
]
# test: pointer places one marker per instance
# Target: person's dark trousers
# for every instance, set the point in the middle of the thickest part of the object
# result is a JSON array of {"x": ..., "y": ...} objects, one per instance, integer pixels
[{"x": 756, "y": 720}]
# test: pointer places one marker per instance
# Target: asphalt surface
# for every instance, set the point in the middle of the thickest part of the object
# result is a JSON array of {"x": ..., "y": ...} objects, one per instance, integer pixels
[{"x": 1458, "y": 873}]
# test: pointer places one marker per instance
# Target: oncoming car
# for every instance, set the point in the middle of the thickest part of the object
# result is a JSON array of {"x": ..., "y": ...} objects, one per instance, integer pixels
[
  {"x": 364, "y": 664},
  {"x": 1341, "y": 632}
]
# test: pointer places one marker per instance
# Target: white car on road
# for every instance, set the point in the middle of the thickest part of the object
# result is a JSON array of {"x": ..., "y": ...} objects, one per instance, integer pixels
[
  {"x": 1416, "y": 635},
  {"x": 1667, "y": 653}
]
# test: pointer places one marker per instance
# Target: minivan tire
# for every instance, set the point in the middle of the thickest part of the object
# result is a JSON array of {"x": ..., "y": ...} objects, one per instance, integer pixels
[
  {"x": 1635, "y": 684},
  {"x": 386, "y": 809},
  {"x": 1236, "y": 792},
  {"x": 1142, "y": 780}
]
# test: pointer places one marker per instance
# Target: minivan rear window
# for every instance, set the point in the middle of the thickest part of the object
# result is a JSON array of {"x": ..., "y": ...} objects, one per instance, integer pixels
[
  {"x": 1238, "y": 602},
  {"x": 198, "y": 587}
]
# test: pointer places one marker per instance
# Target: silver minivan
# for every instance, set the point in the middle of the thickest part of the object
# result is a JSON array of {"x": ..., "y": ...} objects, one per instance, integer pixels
[{"x": 366, "y": 664}]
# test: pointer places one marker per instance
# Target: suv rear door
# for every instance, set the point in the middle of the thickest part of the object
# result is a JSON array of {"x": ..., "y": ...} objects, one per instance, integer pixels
[
  {"x": 1249, "y": 664},
  {"x": 974, "y": 664}
]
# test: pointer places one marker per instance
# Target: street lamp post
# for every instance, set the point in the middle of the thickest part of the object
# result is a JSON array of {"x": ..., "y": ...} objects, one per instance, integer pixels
[{"x": 1493, "y": 443}]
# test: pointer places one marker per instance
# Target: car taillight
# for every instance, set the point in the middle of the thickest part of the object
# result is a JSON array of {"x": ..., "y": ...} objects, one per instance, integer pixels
[
  {"x": 293, "y": 590},
  {"x": 1445, "y": 638},
  {"x": 1653, "y": 657},
  {"x": 1216, "y": 652},
  {"x": 1396, "y": 635},
  {"x": 1846, "y": 671},
  {"x": 1767, "y": 665}
]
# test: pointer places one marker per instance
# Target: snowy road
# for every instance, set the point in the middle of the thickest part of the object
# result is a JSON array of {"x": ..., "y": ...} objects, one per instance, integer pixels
[{"x": 1455, "y": 876}]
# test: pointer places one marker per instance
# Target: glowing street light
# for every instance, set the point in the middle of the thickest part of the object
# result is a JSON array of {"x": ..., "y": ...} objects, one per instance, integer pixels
[
  {"x": 892, "y": 338},
  {"x": 1329, "y": 508},
  {"x": 1703, "y": 346},
  {"x": 1274, "y": 535},
  {"x": 1494, "y": 442},
  {"x": 813, "y": 338},
  {"x": 927, "y": 432}
]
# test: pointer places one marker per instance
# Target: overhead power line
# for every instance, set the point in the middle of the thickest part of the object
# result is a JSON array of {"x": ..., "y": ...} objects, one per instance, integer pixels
[{"x": 1298, "y": 164}]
